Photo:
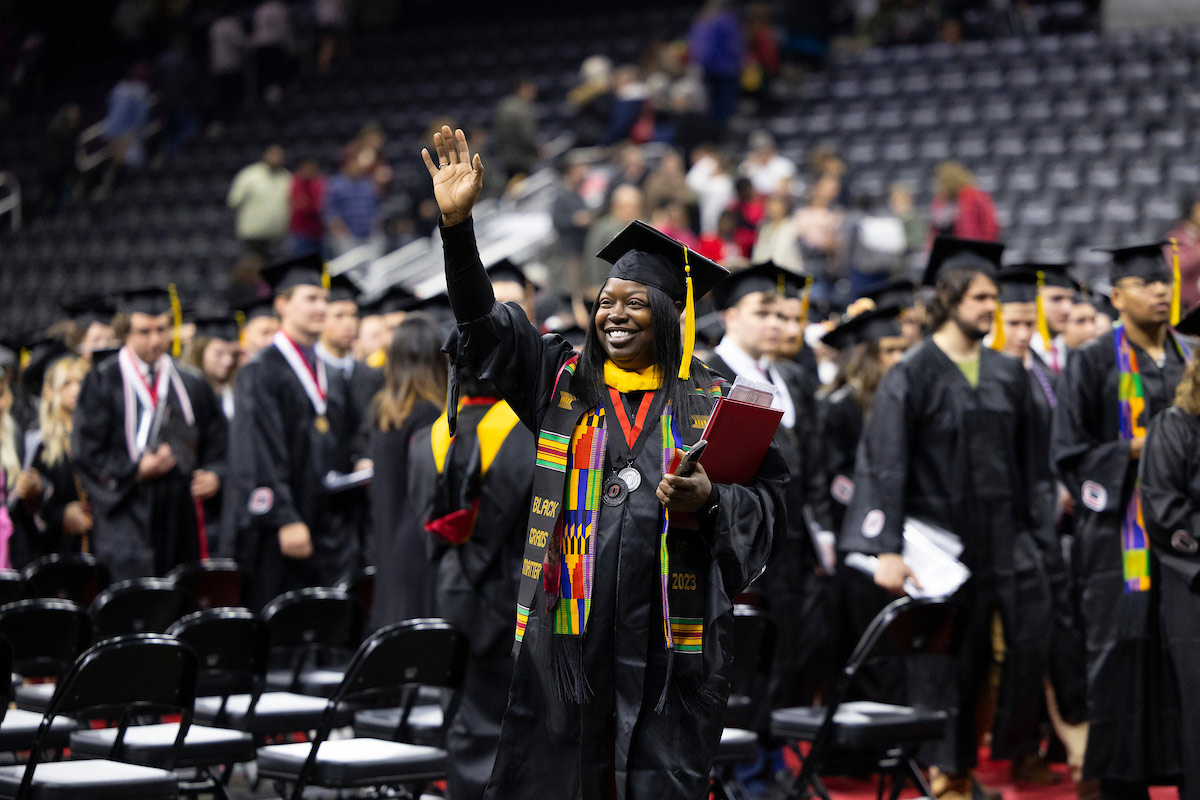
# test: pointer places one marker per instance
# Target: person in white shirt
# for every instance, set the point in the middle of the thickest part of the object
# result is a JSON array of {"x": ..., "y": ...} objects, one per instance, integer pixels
[
  {"x": 713, "y": 184},
  {"x": 769, "y": 172}
]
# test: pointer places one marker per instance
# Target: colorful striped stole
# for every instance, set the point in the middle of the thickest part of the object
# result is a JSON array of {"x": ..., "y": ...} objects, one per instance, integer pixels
[{"x": 1131, "y": 405}]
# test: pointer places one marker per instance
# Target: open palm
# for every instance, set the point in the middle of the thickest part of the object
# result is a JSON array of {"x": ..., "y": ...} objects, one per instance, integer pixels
[{"x": 457, "y": 177}]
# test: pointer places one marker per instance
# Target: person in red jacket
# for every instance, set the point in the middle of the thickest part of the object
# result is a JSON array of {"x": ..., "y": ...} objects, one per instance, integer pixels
[
  {"x": 308, "y": 200},
  {"x": 960, "y": 208}
]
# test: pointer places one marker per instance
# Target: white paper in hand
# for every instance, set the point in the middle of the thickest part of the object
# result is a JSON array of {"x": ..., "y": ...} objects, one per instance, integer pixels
[{"x": 932, "y": 553}]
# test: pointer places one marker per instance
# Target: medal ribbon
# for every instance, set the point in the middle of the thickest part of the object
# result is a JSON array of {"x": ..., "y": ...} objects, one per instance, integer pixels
[
  {"x": 314, "y": 381},
  {"x": 632, "y": 434}
]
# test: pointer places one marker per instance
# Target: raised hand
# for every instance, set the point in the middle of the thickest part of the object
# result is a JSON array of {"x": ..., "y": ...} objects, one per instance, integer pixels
[{"x": 457, "y": 177}]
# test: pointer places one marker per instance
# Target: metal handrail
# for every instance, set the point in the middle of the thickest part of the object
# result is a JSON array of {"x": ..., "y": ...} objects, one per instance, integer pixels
[
  {"x": 86, "y": 161},
  {"x": 12, "y": 203}
]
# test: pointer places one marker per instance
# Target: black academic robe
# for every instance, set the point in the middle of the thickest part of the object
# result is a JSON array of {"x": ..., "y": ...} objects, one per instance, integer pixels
[
  {"x": 278, "y": 461},
  {"x": 1169, "y": 476},
  {"x": 37, "y": 522},
  {"x": 960, "y": 457},
  {"x": 616, "y": 744},
  {"x": 475, "y": 583},
  {"x": 403, "y": 585},
  {"x": 1131, "y": 735},
  {"x": 141, "y": 529},
  {"x": 800, "y": 596}
]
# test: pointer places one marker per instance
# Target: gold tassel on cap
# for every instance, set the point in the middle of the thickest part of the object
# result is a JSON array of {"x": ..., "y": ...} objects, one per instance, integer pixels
[
  {"x": 176, "y": 321},
  {"x": 689, "y": 321},
  {"x": 998, "y": 328},
  {"x": 805, "y": 300},
  {"x": 1177, "y": 287},
  {"x": 1043, "y": 327},
  {"x": 325, "y": 279}
]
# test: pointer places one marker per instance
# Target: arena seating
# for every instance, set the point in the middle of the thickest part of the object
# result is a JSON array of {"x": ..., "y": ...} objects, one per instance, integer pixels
[{"x": 1082, "y": 138}]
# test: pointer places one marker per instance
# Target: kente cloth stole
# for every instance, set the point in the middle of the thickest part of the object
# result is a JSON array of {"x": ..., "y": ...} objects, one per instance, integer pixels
[
  {"x": 569, "y": 466},
  {"x": 1131, "y": 404}
]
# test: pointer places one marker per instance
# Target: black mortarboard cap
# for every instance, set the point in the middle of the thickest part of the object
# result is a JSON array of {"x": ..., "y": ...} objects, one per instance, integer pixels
[
  {"x": 342, "y": 289},
  {"x": 305, "y": 270},
  {"x": 765, "y": 277},
  {"x": 87, "y": 309},
  {"x": 436, "y": 306},
  {"x": 217, "y": 326},
  {"x": 42, "y": 355},
  {"x": 103, "y": 354},
  {"x": 1143, "y": 261},
  {"x": 152, "y": 300},
  {"x": 899, "y": 292},
  {"x": 1190, "y": 324},
  {"x": 646, "y": 255},
  {"x": 1054, "y": 273},
  {"x": 868, "y": 326},
  {"x": 1017, "y": 285},
  {"x": 255, "y": 307},
  {"x": 506, "y": 270},
  {"x": 950, "y": 253},
  {"x": 394, "y": 298}
]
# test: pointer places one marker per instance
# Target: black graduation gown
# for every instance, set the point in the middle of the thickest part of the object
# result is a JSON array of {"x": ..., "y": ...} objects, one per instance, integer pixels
[
  {"x": 38, "y": 522},
  {"x": 403, "y": 585},
  {"x": 616, "y": 744},
  {"x": 802, "y": 601},
  {"x": 839, "y": 427},
  {"x": 476, "y": 583},
  {"x": 278, "y": 462},
  {"x": 1131, "y": 735},
  {"x": 1169, "y": 476},
  {"x": 937, "y": 449},
  {"x": 140, "y": 529}
]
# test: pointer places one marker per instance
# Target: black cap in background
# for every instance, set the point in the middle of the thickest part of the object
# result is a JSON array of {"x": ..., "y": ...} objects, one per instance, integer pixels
[{"x": 950, "y": 254}]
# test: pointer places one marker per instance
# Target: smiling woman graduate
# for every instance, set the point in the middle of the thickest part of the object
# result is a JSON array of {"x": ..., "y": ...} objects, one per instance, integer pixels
[{"x": 624, "y": 613}]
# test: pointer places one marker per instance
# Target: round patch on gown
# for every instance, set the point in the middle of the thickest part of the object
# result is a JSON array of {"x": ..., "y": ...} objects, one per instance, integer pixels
[
  {"x": 1184, "y": 542},
  {"x": 1094, "y": 496},
  {"x": 615, "y": 491},
  {"x": 261, "y": 501},
  {"x": 873, "y": 523},
  {"x": 842, "y": 489}
]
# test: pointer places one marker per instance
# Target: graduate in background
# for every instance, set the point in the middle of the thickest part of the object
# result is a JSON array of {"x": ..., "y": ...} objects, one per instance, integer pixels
[
  {"x": 948, "y": 441},
  {"x": 215, "y": 353},
  {"x": 797, "y": 588},
  {"x": 1056, "y": 291},
  {"x": 876, "y": 343},
  {"x": 622, "y": 673},
  {"x": 511, "y": 285},
  {"x": 349, "y": 509},
  {"x": 92, "y": 317},
  {"x": 412, "y": 398},
  {"x": 1169, "y": 481},
  {"x": 52, "y": 515},
  {"x": 1111, "y": 390},
  {"x": 259, "y": 325},
  {"x": 149, "y": 442},
  {"x": 470, "y": 493},
  {"x": 289, "y": 412}
]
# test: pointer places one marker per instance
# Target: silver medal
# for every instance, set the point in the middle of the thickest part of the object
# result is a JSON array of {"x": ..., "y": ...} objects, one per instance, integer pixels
[{"x": 631, "y": 478}]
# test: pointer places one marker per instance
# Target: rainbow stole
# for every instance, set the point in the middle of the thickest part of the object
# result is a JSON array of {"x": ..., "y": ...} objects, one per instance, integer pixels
[
  {"x": 569, "y": 466},
  {"x": 1131, "y": 405}
]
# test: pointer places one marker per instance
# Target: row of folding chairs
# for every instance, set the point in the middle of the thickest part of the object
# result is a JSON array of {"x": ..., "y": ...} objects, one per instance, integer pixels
[{"x": 208, "y": 669}]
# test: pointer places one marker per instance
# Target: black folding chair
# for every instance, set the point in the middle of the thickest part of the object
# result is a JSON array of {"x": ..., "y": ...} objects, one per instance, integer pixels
[
  {"x": 120, "y": 678},
  {"x": 883, "y": 734},
  {"x": 214, "y": 583},
  {"x": 360, "y": 584},
  {"x": 389, "y": 663},
  {"x": 138, "y": 605},
  {"x": 12, "y": 586},
  {"x": 753, "y": 649},
  {"x": 312, "y": 633},
  {"x": 18, "y": 729},
  {"x": 297, "y": 620},
  {"x": 46, "y": 637},
  {"x": 78, "y": 577},
  {"x": 228, "y": 644}
]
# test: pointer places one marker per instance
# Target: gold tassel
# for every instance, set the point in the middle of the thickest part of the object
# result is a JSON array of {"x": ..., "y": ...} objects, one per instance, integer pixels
[
  {"x": 1043, "y": 326},
  {"x": 782, "y": 285},
  {"x": 25, "y": 357},
  {"x": 326, "y": 281},
  {"x": 239, "y": 317},
  {"x": 689, "y": 321},
  {"x": 1177, "y": 286},
  {"x": 805, "y": 300},
  {"x": 998, "y": 328},
  {"x": 176, "y": 321}
]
